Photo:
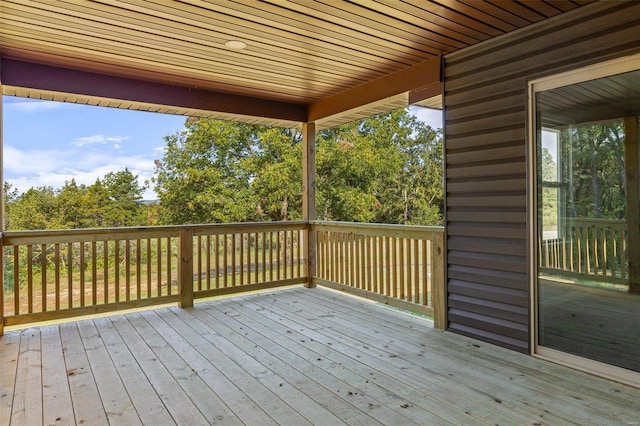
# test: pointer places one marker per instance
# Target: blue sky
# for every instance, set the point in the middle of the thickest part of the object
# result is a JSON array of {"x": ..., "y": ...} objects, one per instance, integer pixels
[{"x": 48, "y": 143}]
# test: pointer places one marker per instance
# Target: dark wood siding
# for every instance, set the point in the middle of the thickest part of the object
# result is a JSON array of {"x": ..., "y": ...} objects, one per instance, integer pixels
[{"x": 485, "y": 102}]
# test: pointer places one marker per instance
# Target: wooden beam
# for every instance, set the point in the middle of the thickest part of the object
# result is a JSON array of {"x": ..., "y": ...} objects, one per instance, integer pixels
[
  {"x": 65, "y": 80},
  {"x": 422, "y": 75},
  {"x": 632, "y": 176},
  {"x": 309, "y": 196}
]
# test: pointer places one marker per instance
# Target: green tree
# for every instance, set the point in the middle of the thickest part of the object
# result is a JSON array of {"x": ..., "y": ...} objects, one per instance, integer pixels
[
  {"x": 124, "y": 194},
  {"x": 35, "y": 209}
]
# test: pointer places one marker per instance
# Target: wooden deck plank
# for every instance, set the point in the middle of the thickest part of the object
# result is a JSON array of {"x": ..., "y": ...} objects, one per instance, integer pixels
[
  {"x": 27, "y": 400},
  {"x": 213, "y": 408},
  {"x": 115, "y": 398},
  {"x": 439, "y": 370},
  {"x": 207, "y": 402},
  {"x": 9, "y": 351},
  {"x": 302, "y": 408},
  {"x": 144, "y": 397},
  {"x": 400, "y": 383},
  {"x": 56, "y": 398},
  {"x": 87, "y": 405},
  {"x": 333, "y": 376},
  {"x": 200, "y": 357},
  {"x": 177, "y": 402},
  {"x": 247, "y": 375},
  {"x": 291, "y": 356},
  {"x": 534, "y": 375},
  {"x": 289, "y": 366}
]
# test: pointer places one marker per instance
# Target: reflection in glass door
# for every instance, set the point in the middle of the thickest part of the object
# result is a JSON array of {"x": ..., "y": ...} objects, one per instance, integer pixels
[{"x": 588, "y": 222}]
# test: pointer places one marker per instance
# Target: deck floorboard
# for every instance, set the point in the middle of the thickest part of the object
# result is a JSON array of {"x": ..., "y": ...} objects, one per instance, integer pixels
[{"x": 292, "y": 357}]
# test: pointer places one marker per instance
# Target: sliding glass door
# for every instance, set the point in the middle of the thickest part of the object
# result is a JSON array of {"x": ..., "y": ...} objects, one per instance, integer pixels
[{"x": 587, "y": 278}]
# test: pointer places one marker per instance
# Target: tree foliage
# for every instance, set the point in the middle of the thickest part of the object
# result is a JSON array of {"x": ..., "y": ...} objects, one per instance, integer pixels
[
  {"x": 112, "y": 201},
  {"x": 386, "y": 168}
]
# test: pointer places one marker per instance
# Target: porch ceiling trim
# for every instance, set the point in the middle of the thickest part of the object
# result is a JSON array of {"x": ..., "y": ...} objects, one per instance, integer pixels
[{"x": 63, "y": 80}]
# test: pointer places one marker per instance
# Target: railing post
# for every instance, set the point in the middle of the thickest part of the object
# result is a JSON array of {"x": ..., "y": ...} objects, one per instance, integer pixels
[
  {"x": 309, "y": 197},
  {"x": 632, "y": 177},
  {"x": 437, "y": 282},
  {"x": 185, "y": 267}
]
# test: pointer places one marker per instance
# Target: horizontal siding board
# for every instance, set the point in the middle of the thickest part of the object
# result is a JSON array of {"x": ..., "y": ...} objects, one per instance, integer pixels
[
  {"x": 490, "y": 323},
  {"x": 487, "y": 216},
  {"x": 492, "y": 200},
  {"x": 497, "y": 339},
  {"x": 491, "y": 170},
  {"x": 454, "y": 141},
  {"x": 493, "y": 293},
  {"x": 497, "y": 262},
  {"x": 491, "y": 186},
  {"x": 490, "y": 277},
  {"x": 504, "y": 311},
  {"x": 488, "y": 122},
  {"x": 504, "y": 103},
  {"x": 485, "y": 245},
  {"x": 517, "y": 231},
  {"x": 492, "y": 154}
]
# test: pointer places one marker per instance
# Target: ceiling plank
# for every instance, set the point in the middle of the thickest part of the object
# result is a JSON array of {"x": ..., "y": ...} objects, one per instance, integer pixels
[
  {"x": 48, "y": 78},
  {"x": 426, "y": 73}
]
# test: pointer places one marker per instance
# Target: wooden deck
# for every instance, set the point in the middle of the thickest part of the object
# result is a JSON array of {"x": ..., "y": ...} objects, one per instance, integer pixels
[{"x": 294, "y": 356}]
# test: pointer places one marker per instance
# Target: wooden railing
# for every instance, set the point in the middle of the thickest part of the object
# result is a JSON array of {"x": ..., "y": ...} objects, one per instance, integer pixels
[
  {"x": 394, "y": 264},
  {"x": 49, "y": 275},
  {"x": 57, "y": 274},
  {"x": 589, "y": 248}
]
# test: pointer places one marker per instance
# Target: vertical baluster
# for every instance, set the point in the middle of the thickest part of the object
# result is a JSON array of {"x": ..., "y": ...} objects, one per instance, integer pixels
[
  {"x": 70, "y": 275},
  {"x": 57, "y": 275},
  {"x": 387, "y": 265},
  {"x": 43, "y": 275},
  {"x": 82, "y": 277},
  {"x": 169, "y": 276},
  {"x": 374, "y": 264},
  {"x": 256, "y": 257},
  {"x": 30, "y": 278},
  {"x": 127, "y": 270},
  {"x": 208, "y": 261},
  {"x": 94, "y": 274},
  {"x": 225, "y": 263},
  {"x": 416, "y": 270},
  {"x": 116, "y": 254},
  {"x": 263, "y": 238},
  {"x": 217, "y": 261},
  {"x": 138, "y": 268},
  {"x": 105, "y": 269},
  {"x": 16, "y": 280},
  {"x": 233, "y": 259},
  {"x": 159, "y": 265},
  {"x": 401, "y": 265},
  {"x": 149, "y": 268},
  {"x": 199, "y": 266},
  {"x": 426, "y": 275}
]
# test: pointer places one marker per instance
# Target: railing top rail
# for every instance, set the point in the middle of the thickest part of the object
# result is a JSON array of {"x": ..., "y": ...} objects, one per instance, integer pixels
[
  {"x": 593, "y": 221},
  {"x": 381, "y": 229},
  {"x": 53, "y": 236}
]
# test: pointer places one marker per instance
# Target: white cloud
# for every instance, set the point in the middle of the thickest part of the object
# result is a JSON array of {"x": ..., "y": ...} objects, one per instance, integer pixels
[
  {"x": 35, "y": 168},
  {"x": 99, "y": 139}
]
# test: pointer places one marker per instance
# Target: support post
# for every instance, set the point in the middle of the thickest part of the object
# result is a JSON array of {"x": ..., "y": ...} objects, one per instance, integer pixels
[
  {"x": 438, "y": 294},
  {"x": 632, "y": 176},
  {"x": 309, "y": 197},
  {"x": 185, "y": 267}
]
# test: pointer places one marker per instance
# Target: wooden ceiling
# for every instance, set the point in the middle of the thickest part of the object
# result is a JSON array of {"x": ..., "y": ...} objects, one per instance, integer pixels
[{"x": 328, "y": 58}]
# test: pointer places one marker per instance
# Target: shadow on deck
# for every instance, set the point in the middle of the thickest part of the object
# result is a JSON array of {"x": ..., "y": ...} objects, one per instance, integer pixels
[{"x": 294, "y": 356}]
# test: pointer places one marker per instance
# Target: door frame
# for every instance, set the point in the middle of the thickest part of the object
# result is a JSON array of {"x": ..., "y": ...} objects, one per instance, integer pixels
[{"x": 599, "y": 70}]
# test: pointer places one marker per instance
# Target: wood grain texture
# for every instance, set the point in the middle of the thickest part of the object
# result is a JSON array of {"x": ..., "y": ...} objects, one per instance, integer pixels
[{"x": 292, "y": 356}]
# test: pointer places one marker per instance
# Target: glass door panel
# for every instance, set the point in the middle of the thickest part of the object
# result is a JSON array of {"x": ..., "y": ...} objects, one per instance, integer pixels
[{"x": 588, "y": 230}]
